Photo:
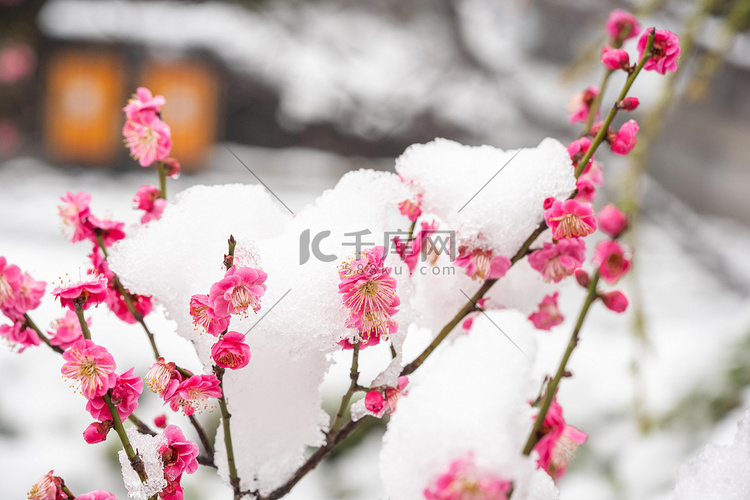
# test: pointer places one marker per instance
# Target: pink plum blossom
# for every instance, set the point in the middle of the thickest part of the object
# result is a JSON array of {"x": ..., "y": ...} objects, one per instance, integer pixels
[
  {"x": 178, "y": 454},
  {"x": 612, "y": 259},
  {"x": 556, "y": 261},
  {"x": 162, "y": 376},
  {"x": 143, "y": 105},
  {"x": 579, "y": 105},
  {"x": 97, "y": 432},
  {"x": 148, "y": 138},
  {"x": 10, "y": 284},
  {"x": 240, "y": 290},
  {"x": 116, "y": 303},
  {"x": 365, "y": 295},
  {"x": 91, "y": 365},
  {"x": 411, "y": 251},
  {"x": 615, "y": 301},
  {"x": 625, "y": 139},
  {"x": 93, "y": 291},
  {"x": 622, "y": 26},
  {"x": 66, "y": 331},
  {"x": 48, "y": 487},
  {"x": 411, "y": 208},
  {"x": 97, "y": 495},
  {"x": 570, "y": 219},
  {"x": 160, "y": 421},
  {"x": 381, "y": 402},
  {"x": 29, "y": 294},
  {"x": 577, "y": 150},
  {"x": 74, "y": 212},
  {"x": 614, "y": 59},
  {"x": 148, "y": 198},
  {"x": 586, "y": 190},
  {"x": 612, "y": 221},
  {"x": 172, "y": 168},
  {"x": 20, "y": 334},
  {"x": 664, "y": 52},
  {"x": 629, "y": 103},
  {"x": 582, "y": 278},
  {"x": 193, "y": 393},
  {"x": 482, "y": 264},
  {"x": 559, "y": 442},
  {"x": 204, "y": 316},
  {"x": 548, "y": 314},
  {"x": 464, "y": 480},
  {"x": 230, "y": 351},
  {"x": 124, "y": 394},
  {"x": 109, "y": 230}
]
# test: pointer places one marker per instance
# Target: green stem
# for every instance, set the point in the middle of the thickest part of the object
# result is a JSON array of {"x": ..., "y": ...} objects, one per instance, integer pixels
[
  {"x": 596, "y": 102},
  {"x": 65, "y": 490},
  {"x": 82, "y": 321},
  {"x": 411, "y": 231},
  {"x": 354, "y": 376},
  {"x": 234, "y": 479},
  {"x": 162, "y": 179},
  {"x": 39, "y": 333},
  {"x": 135, "y": 459},
  {"x": 613, "y": 111},
  {"x": 536, "y": 432}
]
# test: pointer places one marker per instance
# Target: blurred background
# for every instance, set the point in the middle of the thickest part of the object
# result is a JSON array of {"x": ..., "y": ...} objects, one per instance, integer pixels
[{"x": 302, "y": 91}]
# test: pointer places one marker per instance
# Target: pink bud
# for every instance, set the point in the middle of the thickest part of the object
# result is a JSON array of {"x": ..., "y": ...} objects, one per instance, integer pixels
[
  {"x": 548, "y": 202},
  {"x": 374, "y": 401},
  {"x": 629, "y": 103},
  {"x": 612, "y": 221},
  {"x": 625, "y": 140},
  {"x": 615, "y": 301},
  {"x": 613, "y": 59},
  {"x": 582, "y": 277},
  {"x": 160, "y": 421},
  {"x": 97, "y": 432},
  {"x": 172, "y": 168},
  {"x": 622, "y": 25}
]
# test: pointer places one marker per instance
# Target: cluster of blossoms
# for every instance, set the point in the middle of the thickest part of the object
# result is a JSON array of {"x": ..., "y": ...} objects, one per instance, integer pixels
[
  {"x": 558, "y": 443},
  {"x": 19, "y": 294},
  {"x": 178, "y": 456},
  {"x": 147, "y": 136},
  {"x": 369, "y": 293}
]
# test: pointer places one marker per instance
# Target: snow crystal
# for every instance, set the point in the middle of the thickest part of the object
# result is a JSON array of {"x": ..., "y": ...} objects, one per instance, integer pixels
[
  {"x": 147, "y": 448},
  {"x": 493, "y": 199},
  {"x": 471, "y": 397},
  {"x": 718, "y": 472}
]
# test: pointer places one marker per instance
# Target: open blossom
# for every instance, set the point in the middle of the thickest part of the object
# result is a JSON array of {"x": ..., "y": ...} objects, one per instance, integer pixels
[
  {"x": 586, "y": 190},
  {"x": 559, "y": 442},
  {"x": 74, "y": 212},
  {"x": 625, "y": 139},
  {"x": 29, "y": 294},
  {"x": 116, "y": 303},
  {"x": 148, "y": 138},
  {"x": 548, "y": 314},
  {"x": 482, "y": 264},
  {"x": 411, "y": 251},
  {"x": 580, "y": 105},
  {"x": 148, "y": 198},
  {"x": 664, "y": 51},
  {"x": 48, "y": 487},
  {"x": 614, "y": 59},
  {"x": 20, "y": 334},
  {"x": 615, "y": 301},
  {"x": 204, "y": 316},
  {"x": 464, "y": 480},
  {"x": 143, "y": 105},
  {"x": 97, "y": 432},
  {"x": 240, "y": 290},
  {"x": 86, "y": 293},
  {"x": 364, "y": 295},
  {"x": 178, "y": 454},
  {"x": 557, "y": 260},
  {"x": 613, "y": 260},
  {"x": 230, "y": 351},
  {"x": 382, "y": 402},
  {"x": 91, "y": 365},
  {"x": 612, "y": 221},
  {"x": 162, "y": 375},
  {"x": 10, "y": 283},
  {"x": 193, "y": 393},
  {"x": 125, "y": 394},
  {"x": 570, "y": 219},
  {"x": 66, "y": 331},
  {"x": 622, "y": 26},
  {"x": 411, "y": 208}
]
